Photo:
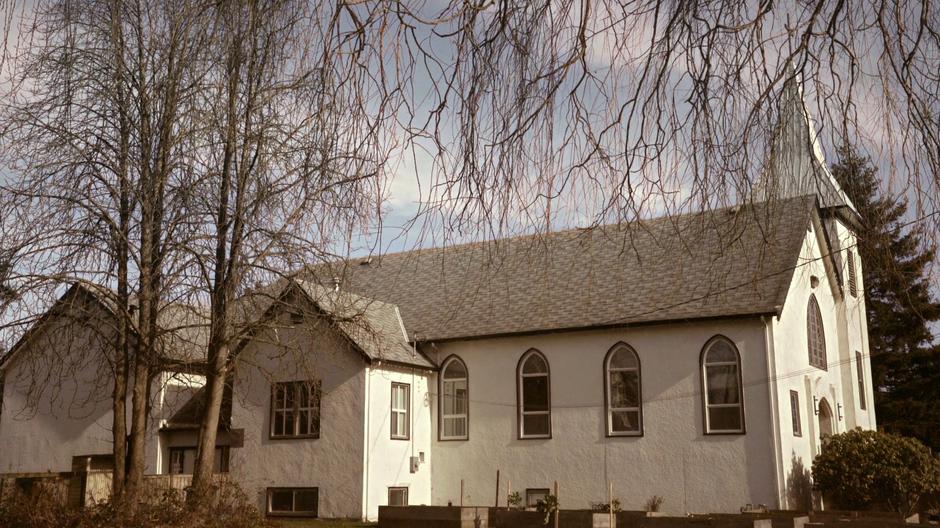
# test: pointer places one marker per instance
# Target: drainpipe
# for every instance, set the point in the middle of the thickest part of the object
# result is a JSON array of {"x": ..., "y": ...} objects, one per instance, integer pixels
[
  {"x": 365, "y": 445},
  {"x": 771, "y": 358}
]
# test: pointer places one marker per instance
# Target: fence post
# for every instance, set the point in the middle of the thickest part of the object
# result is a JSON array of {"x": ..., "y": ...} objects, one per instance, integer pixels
[{"x": 557, "y": 504}]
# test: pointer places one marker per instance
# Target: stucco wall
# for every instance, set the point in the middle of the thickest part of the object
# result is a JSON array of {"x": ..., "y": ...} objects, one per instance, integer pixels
[
  {"x": 388, "y": 462},
  {"x": 334, "y": 461},
  {"x": 57, "y": 397},
  {"x": 845, "y": 331},
  {"x": 693, "y": 471}
]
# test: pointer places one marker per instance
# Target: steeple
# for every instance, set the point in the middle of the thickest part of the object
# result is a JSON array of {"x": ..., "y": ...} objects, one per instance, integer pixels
[{"x": 796, "y": 166}]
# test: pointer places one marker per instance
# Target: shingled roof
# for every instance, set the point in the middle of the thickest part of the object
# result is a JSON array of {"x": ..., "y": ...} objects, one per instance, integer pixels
[{"x": 726, "y": 262}]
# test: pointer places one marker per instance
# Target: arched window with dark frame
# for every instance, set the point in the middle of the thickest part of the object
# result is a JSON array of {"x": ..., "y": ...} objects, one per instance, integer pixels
[
  {"x": 455, "y": 400},
  {"x": 721, "y": 383},
  {"x": 816, "y": 334},
  {"x": 622, "y": 391},
  {"x": 534, "y": 396}
]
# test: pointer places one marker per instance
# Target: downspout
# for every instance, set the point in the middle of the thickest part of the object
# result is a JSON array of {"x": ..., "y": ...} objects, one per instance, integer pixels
[
  {"x": 365, "y": 444},
  {"x": 771, "y": 358}
]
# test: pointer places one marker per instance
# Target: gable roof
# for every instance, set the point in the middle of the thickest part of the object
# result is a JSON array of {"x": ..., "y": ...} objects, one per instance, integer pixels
[
  {"x": 727, "y": 262},
  {"x": 375, "y": 327}
]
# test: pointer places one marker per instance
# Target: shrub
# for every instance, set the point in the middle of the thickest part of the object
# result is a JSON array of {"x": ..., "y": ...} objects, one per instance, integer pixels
[
  {"x": 603, "y": 507},
  {"x": 864, "y": 469},
  {"x": 654, "y": 503},
  {"x": 549, "y": 505},
  {"x": 514, "y": 500},
  {"x": 228, "y": 508}
]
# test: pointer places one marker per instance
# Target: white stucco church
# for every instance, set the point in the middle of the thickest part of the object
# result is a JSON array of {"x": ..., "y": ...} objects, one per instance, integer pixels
[{"x": 699, "y": 357}]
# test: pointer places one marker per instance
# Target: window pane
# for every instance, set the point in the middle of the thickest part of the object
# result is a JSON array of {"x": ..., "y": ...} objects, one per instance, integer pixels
[
  {"x": 722, "y": 382},
  {"x": 289, "y": 423},
  {"x": 795, "y": 413},
  {"x": 303, "y": 417},
  {"x": 460, "y": 401},
  {"x": 624, "y": 388},
  {"x": 625, "y": 421},
  {"x": 289, "y": 398},
  {"x": 282, "y": 500},
  {"x": 534, "y": 364},
  {"x": 305, "y": 501},
  {"x": 535, "y": 393},
  {"x": 455, "y": 426},
  {"x": 724, "y": 418},
  {"x": 397, "y": 497},
  {"x": 534, "y": 496},
  {"x": 455, "y": 369},
  {"x": 278, "y": 423},
  {"x": 720, "y": 352},
  {"x": 623, "y": 358},
  {"x": 535, "y": 425}
]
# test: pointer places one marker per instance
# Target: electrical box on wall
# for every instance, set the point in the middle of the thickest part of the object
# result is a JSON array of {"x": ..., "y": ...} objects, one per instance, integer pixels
[{"x": 414, "y": 464}]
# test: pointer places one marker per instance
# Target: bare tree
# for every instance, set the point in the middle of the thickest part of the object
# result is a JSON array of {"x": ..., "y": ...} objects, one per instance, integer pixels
[
  {"x": 290, "y": 155},
  {"x": 91, "y": 119}
]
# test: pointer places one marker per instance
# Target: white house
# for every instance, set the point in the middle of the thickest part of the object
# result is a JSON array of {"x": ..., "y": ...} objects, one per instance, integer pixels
[{"x": 699, "y": 357}]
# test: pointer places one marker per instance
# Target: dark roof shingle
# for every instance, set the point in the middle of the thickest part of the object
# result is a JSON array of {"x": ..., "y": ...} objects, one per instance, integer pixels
[{"x": 726, "y": 262}]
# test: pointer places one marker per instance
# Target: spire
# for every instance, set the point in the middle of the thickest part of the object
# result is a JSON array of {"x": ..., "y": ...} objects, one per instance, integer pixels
[{"x": 797, "y": 166}]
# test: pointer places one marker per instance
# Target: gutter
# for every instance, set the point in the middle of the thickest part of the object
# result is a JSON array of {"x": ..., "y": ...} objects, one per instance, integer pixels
[{"x": 776, "y": 442}]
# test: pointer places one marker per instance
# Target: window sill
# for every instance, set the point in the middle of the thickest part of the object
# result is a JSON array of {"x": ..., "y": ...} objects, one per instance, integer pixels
[
  {"x": 454, "y": 439},
  {"x": 631, "y": 434},
  {"x": 293, "y": 437},
  {"x": 403, "y": 438}
]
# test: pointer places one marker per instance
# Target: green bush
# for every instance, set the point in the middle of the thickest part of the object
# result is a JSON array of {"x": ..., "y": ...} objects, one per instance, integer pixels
[{"x": 861, "y": 470}]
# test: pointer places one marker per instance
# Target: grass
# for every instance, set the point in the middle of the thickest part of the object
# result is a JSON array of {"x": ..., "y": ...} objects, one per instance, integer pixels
[{"x": 322, "y": 523}]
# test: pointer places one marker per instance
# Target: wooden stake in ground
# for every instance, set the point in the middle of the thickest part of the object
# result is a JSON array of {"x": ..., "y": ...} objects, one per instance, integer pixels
[
  {"x": 610, "y": 503},
  {"x": 497, "y": 489},
  {"x": 557, "y": 504}
]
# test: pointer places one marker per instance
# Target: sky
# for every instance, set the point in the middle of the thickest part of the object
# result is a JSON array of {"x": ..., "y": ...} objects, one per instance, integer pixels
[{"x": 414, "y": 174}]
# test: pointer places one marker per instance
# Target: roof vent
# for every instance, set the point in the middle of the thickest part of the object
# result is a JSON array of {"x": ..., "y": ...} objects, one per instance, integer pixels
[
  {"x": 336, "y": 283},
  {"x": 366, "y": 261}
]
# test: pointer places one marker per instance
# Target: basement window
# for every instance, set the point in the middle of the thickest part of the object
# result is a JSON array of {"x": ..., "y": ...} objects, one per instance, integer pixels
[
  {"x": 533, "y": 496},
  {"x": 299, "y": 502},
  {"x": 398, "y": 496}
]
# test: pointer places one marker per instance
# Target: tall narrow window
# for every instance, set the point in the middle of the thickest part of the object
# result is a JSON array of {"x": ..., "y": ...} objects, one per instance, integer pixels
[
  {"x": 816, "y": 335},
  {"x": 853, "y": 278},
  {"x": 455, "y": 400},
  {"x": 1, "y": 397},
  {"x": 860, "y": 374},
  {"x": 623, "y": 396},
  {"x": 795, "y": 413},
  {"x": 721, "y": 378},
  {"x": 295, "y": 409},
  {"x": 534, "y": 398},
  {"x": 401, "y": 411}
]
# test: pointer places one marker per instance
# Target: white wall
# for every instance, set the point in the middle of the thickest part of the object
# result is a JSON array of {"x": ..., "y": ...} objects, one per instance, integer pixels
[
  {"x": 845, "y": 330},
  {"x": 693, "y": 471},
  {"x": 57, "y": 398},
  {"x": 334, "y": 461},
  {"x": 388, "y": 462}
]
